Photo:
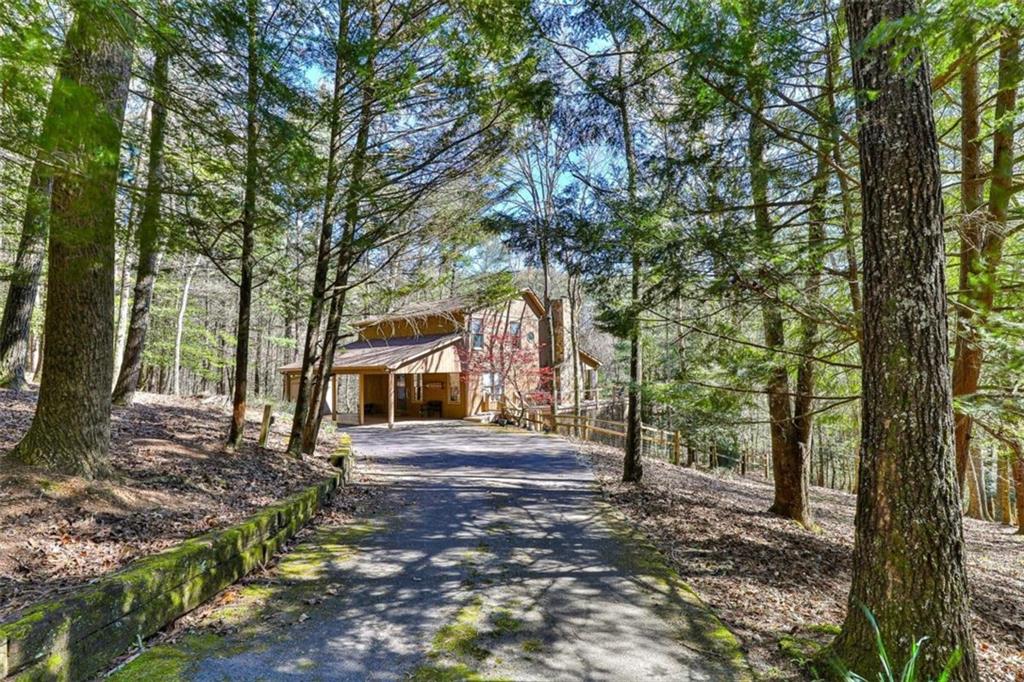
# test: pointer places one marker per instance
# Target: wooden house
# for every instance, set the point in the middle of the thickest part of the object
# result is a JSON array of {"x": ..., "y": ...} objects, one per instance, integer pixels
[{"x": 453, "y": 359}]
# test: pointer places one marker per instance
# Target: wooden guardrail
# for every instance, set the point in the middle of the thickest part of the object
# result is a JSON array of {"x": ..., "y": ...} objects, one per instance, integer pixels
[{"x": 660, "y": 443}]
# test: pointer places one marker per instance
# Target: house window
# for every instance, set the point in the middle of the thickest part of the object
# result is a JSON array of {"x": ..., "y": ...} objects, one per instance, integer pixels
[
  {"x": 492, "y": 384},
  {"x": 417, "y": 388},
  {"x": 514, "y": 329},
  {"x": 454, "y": 389},
  {"x": 476, "y": 329}
]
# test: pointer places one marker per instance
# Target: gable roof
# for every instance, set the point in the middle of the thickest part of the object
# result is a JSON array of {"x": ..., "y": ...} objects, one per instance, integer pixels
[
  {"x": 451, "y": 306},
  {"x": 385, "y": 355}
]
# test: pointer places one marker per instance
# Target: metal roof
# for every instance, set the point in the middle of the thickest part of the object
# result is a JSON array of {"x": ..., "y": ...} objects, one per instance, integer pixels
[{"x": 385, "y": 355}]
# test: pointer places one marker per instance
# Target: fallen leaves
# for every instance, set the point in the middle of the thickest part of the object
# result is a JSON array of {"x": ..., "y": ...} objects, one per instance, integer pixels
[
  {"x": 766, "y": 576},
  {"x": 171, "y": 481}
]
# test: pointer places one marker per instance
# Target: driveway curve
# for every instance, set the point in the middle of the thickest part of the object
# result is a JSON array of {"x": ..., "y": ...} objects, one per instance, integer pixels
[{"x": 495, "y": 558}]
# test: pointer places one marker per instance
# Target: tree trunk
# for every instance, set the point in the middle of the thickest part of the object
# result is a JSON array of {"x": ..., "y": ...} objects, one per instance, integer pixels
[
  {"x": 633, "y": 465},
  {"x": 149, "y": 241},
  {"x": 237, "y": 427},
  {"x": 789, "y": 445},
  {"x": 347, "y": 255},
  {"x": 975, "y": 482},
  {"x": 24, "y": 281},
  {"x": 1018, "y": 483},
  {"x": 1003, "y": 488},
  {"x": 323, "y": 260},
  {"x": 908, "y": 559},
  {"x": 70, "y": 432},
  {"x": 577, "y": 401},
  {"x": 982, "y": 237},
  {"x": 179, "y": 329}
]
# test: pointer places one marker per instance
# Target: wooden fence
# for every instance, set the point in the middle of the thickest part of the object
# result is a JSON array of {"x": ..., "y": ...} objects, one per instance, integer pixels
[{"x": 658, "y": 443}]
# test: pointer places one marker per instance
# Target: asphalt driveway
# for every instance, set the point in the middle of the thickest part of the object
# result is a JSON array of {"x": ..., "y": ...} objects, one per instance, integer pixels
[{"x": 495, "y": 559}]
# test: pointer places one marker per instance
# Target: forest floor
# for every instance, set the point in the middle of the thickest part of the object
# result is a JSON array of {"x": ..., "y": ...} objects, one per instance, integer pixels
[
  {"x": 770, "y": 580},
  {"x": 172, "y": 480}
]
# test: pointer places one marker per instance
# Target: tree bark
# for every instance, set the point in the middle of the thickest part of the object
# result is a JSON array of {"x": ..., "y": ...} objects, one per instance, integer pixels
[
  {"x": 149, "y": 240},
  {"x": 25, "y": 274},
  {"x": 633, "y": 464},
  {"x": 237, "y": 426},
  {"x": 323, "y": 261},
  {"x": 1018, "y": 482},
  {"x": 179, "y": 329},
  {"x": 975, "y": 482},
  {"x": 982, "y": 236},
  {"x": 1003, "y": 488},
  {"x": 908, "y": 559},
  {"x": 789, "y": 440},
  {"x": 347, "y": 254},
  {"x": 70, "y": 432}
]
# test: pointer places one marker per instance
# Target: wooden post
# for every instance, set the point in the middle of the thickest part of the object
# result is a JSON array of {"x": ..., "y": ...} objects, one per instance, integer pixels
[
  {"x": 334, "y": 397},
  {"x": 676, "y": 449},
  {"x": 362, "y": 400},
  {"x": 265, "y": 428},
  {"x": 391, "y": 400}
]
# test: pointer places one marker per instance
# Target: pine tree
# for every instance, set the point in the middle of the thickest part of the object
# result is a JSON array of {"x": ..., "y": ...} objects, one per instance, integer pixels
[
  {"x": 908, "y": 561},
  {"x": 70, "y": 432}
]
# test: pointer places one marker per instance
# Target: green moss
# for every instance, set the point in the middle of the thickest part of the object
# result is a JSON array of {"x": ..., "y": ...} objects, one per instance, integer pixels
[
  {"x": 159, "y": 664},
  {"x": 695, "y": 623},
  {"x": 800, "y": 650},
  {"x": 825, "y": 629},
  {"x": 460, "y": 638},
  {"x": 167, "y": 663},
  {"x": 532, "y": 646},
  {"x": 504, "y": 622}
]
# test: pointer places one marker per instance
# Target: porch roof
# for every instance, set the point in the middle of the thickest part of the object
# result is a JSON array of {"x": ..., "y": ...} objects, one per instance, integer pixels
[{"x": 384, "y": 355}]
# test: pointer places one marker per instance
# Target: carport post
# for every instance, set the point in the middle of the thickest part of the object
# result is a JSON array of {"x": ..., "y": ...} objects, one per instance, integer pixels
[
  {"x": 362, "y": 399},
  {"x": 391, "y": 400}
]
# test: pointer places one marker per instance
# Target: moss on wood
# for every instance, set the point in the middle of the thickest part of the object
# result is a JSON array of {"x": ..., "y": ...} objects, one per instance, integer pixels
[{"x": 75, "y": 636}]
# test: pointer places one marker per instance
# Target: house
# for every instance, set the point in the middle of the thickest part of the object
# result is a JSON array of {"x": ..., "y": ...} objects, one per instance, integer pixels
[{"x": 453, "y": 359}]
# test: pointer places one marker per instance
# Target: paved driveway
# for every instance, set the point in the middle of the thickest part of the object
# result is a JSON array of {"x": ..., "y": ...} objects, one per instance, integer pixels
[{"x": 496, "y": 560}]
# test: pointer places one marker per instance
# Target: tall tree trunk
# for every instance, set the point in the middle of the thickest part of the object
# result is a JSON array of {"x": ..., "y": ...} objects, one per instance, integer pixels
[
  {"x": 25, "y": 274},
  {"x": 1018, "y": 483},
  {"x": 908, "y": 559},
  {"x": 1003, "y": 488},
  {"x": 793, "y": 500},
  {"x": 123, "y": 305},
  {"x": 633, "y": 464},
  {"x": 179, "y": 329},
  {"x": 70, "y": 432},
  {"x": 967, "y": 351},
  {"x": 323, "y": 259},
  {"x": 576, "y": 379},
  {"x": 347, "y": 255},
  {"x": 148, "y": 238},
  {"x": 981, "y": 236},
  {"x": 237, "y": 427},
  {"x": 790, "y": 458},
  {"x": 975, "y": 482}
]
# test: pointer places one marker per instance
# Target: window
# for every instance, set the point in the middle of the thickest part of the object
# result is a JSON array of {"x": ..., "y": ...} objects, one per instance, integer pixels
[
  {"x": 476, "y": 329},
  {"x": 492, "y": 384},
  {"x": 514, "y": 329},
  {"x": 417, "y": 388},
  {"x": 454, "y": 389}
]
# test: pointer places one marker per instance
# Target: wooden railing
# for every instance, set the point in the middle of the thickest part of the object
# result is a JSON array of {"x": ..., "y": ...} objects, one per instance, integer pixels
[{"x": 658, "y": 443}]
